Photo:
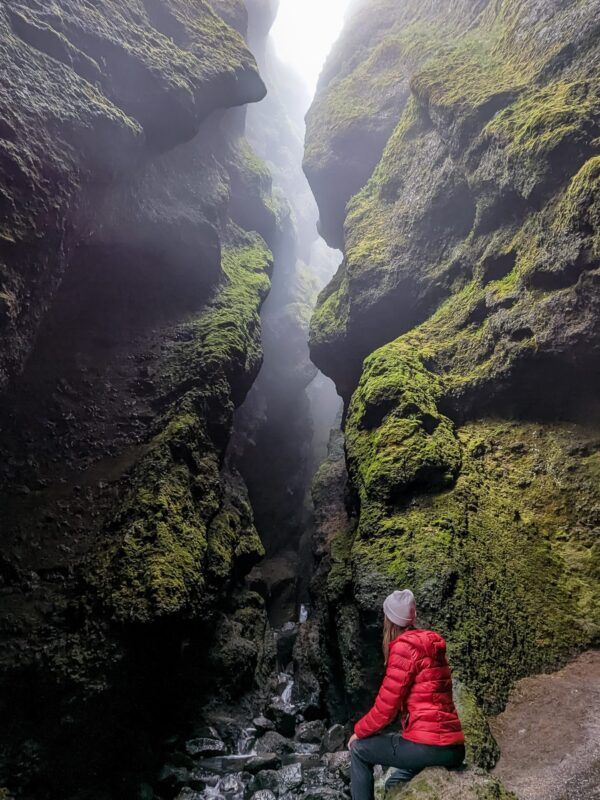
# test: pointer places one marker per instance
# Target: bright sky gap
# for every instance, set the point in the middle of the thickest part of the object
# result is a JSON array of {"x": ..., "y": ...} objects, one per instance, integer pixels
[{"x": 304, "y": 33}]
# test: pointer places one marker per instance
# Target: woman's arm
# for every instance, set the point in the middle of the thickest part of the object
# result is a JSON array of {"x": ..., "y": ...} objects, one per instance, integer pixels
[{"x": 399, "y": 675}]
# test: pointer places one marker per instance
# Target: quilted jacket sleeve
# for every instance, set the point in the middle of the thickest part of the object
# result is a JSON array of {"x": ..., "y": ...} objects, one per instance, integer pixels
[{"x": 399, "y": 676}]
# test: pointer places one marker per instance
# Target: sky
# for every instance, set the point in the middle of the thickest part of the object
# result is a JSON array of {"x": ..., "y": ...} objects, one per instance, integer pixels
[{"x": 304, "y": 32}]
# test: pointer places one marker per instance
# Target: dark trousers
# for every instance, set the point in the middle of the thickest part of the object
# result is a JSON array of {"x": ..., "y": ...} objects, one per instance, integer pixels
[{"x": 391, "y": 750}]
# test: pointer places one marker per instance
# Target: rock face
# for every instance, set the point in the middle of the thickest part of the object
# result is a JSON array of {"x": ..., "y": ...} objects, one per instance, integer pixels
[
  {"x": 136, "y": 227},
  {"x": 470, "y": 288}
]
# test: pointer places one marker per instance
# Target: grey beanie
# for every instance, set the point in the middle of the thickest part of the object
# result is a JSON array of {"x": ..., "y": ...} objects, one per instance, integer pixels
[{"x": 400, "y": 608}]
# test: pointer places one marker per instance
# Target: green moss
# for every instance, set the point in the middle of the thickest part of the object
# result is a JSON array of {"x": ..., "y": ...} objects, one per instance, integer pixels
[
  {"x": 439, "y": 784},
  {"x": 395, "y": 436},
  {"x": 163, "y": 558},
  {"x": 579, "y": 207},
  {"x": 233, "y": 541},
  {"x": 339, "y": 577},
  {"x": 541, "y": 119},
  {"x": 481, "y": 748},
  {"x": 468, "y": 75},
  {"x": 155, "y": 565},
  {"x": 485, "y": 556}
]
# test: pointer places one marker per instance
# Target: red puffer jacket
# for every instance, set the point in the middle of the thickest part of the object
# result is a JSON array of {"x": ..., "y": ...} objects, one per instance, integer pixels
[{"x": 417, "y": 685}]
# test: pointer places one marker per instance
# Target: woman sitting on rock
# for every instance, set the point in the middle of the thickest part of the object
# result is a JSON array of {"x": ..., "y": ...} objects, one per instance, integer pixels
[{"x": 418, "y": 687}]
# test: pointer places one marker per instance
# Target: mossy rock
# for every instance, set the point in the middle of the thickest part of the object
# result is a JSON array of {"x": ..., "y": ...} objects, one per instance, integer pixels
[
  {"x": 481, "y": 748},
  {"x": 481, "y": 153},
  {"x": 441, "y": 784},
  {"x": 176, "y": 538}
]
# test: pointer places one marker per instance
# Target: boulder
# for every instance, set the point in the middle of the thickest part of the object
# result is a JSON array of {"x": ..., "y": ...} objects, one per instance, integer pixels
[
  {"x": 262, "y": 724},
  {"x": 442, "y": 784},
  {"x": 266, "y": 780},
  {"x": 273, "y": 742},
  {"x": 339, "y": 763},
  {"x": 189, "y": 794},
  {"x": 205, "y": 747},
  {"x": 285, "y": 639},
  {"x": 334, "y": 739},
  {"x": 262, "y": 762},
  {"x": 264, "y": 794},
  {"x": 290, "y": 777},
  {"x": 311, "y": 732},
  {"x": 236, "y": 764},
  {"x": 284, "y": 716}
]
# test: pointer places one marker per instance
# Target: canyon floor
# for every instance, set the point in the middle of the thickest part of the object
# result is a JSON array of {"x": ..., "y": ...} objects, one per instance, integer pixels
[{"x": 549, "y": 734}]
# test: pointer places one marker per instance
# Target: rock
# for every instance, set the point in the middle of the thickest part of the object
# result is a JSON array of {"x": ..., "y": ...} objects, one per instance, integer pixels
[
  {"x": 334, "y": 739},
  {"x": 285, "y": 640},
  {"x": 284, "y": 716},
  {"x": 481, "y": 748},
  {"x": 236, "y": 764},
  {"x": 305, "y": 759},
  {"x": 231, "y": 784},
  {"x": 273, "y": 742},
  {"x": 205, "y": 732},
  {"x": 325, "y": 793},
  {"x": 189, "y": 794},
  {"x": 290, "y": 777},
  {"x": 205, "y": 747},
  {"x": 173, "y": 777},
  {"x": 339, "y": 762},
  {"x": 266, "y": 779},
  {"x": 311, "y": 732},
  {"x": 316, "y": 778},
  {"x": 262, "y": 724},
  {"x": 264, "y": 761},
  {"x": 440, "y": 784},
  {"x": 305, "y": 748},
  {"x": 264, "y": 794}
]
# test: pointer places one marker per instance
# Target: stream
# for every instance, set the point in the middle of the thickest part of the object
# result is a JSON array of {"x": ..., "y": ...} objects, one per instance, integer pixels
[{"x": 267, "y": 750}]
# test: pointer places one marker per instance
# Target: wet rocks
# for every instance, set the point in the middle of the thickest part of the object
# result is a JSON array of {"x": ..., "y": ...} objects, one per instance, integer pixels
[
  {"x": 340, "y": 763},
  {"x": 273, "y": 742},
  {"x": 205, "y": 747},
  {"x": 334, "y": 739},
  {"x": 283, "y": 715},
  {"x": 263, "y": 724},
  {"x": 309, "y": 763},
  {"x": 311, "y": 732}
]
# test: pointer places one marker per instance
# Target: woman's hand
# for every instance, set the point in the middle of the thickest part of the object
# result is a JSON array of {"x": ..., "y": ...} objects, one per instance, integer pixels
[{"x": 353, "y": 738}]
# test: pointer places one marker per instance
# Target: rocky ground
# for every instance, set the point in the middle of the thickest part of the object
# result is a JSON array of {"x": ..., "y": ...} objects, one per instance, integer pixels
[
  {"x": 549, "y": 734},
  {"x": 288, "y": 750}
]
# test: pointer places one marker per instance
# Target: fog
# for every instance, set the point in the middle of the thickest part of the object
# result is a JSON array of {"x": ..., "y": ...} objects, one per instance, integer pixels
[
  {"x": 283, "y": 428},
  {"x": 304, "y": 33}
]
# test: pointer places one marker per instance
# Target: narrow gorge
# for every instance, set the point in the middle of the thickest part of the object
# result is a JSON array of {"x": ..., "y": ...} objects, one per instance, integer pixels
[{"x": 267, "y": 357}]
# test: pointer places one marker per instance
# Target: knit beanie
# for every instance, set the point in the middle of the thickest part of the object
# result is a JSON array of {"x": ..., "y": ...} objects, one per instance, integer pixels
[{"x": 400, "y": 608}]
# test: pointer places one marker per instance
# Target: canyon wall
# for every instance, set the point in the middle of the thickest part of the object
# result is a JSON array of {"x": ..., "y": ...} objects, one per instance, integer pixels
[
  {"x": 136, "y": 236},
  {"x": 454, "y": 151}
]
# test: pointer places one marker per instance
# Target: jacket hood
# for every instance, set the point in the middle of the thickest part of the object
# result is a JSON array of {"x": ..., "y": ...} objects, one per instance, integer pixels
[{"x": 431, "y": 642}]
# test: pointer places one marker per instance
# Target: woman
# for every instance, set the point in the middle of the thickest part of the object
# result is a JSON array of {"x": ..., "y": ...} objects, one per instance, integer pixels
[{"x": 418, "y": 687}]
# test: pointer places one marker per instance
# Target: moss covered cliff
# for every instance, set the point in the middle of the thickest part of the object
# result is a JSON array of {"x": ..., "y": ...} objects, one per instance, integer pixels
[
  {"x": 136, "y": 227},
  {"x": 462, "y": 327}
]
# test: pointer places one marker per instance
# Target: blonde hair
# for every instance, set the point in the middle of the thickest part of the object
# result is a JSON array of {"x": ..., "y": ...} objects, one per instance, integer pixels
[{"x": 391, "y": 631}]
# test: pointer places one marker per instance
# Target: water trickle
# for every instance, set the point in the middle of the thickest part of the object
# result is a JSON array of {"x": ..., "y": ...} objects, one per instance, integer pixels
[
  {"x": 246, "y": 742},
  {"x": 286, "y": 685}
]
